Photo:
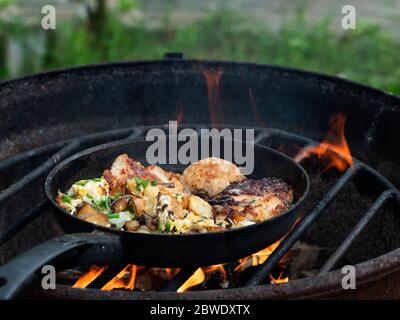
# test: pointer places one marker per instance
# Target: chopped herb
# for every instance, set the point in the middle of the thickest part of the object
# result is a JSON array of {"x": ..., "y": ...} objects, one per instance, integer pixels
[
  {"x": 102, "y": 205},
  {"x": 108, "y": 201},
  {"x": 113, "y": 215},
  {"x": 97, "y": 179},
  {"x": 66, "y": 199},
  {"x": 154, "y": 182},
  {"x": 141, "y": 184},
  {"x": 116, "y": 195},
  {"x": 167, "y": 227}
]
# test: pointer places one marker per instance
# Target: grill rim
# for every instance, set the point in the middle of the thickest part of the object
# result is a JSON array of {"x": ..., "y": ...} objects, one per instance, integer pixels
[{"x": 203, "y": 63}]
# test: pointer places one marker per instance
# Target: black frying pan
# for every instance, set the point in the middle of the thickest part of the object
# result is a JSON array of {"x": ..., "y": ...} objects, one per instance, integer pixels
[{"x": 99, "y": 244}]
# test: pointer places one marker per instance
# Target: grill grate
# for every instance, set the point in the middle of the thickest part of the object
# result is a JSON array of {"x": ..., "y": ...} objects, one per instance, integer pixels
[{"x": 63, "y": 149}]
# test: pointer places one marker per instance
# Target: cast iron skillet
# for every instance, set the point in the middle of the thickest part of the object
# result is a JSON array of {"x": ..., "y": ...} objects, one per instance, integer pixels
[{"x": 88, "y": 243}]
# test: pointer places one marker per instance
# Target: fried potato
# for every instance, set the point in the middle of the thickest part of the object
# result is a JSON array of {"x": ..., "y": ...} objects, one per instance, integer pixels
[
  {"x": 200, "y": 207},
  {"x": 88, "y": 213}
]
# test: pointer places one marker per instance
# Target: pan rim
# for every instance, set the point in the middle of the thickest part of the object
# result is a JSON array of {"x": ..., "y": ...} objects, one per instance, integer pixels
[{"x": 122, "y": 142}]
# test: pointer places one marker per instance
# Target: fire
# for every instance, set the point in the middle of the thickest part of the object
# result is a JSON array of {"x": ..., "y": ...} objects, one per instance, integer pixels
[
  {"x": 199, "y": 276},
  {"x": 196, "y": 278},
  {"x": 334, "y": 150},
  {"x": 257, "y": 258},
  {"x": 256, "y": 115},
  {"x": 125, "y": 279},
  {"x": 280, "y": 279},
  {"x": 216, "y": 268},
  {"x": 170, "y": 272},
  {"x": 88, "y": 277},
  {"x": 212, "y": 78},
  {"x": 179, "y": 113}
]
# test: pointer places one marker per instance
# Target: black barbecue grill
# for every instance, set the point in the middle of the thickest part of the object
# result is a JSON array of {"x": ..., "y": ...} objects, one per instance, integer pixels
[{"x": 50, "y": 116}]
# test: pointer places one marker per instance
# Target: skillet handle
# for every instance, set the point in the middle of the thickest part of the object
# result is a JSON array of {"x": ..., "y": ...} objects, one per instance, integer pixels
[{"x": 78, "y": 248}]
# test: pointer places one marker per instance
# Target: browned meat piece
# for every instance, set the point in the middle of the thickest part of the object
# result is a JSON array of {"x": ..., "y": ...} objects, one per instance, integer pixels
[
  {"x": 253, "y": 200},
  {"x": 125, "y": 168},
  {"x": 210, "y": 176}
]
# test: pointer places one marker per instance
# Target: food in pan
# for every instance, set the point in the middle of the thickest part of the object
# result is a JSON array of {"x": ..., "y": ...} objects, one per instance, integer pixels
[
  {"x": 210, "y": 176},
  {"x": 210, "y": 195}
]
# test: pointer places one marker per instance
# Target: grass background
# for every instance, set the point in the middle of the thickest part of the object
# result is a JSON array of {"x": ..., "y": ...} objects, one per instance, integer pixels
[{"x": 368, "y": 54}]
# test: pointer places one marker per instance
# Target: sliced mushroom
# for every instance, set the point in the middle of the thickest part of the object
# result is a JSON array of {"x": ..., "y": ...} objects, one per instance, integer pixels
[
  {"x": 150, "y": 222},
  {"x": 88, "y": 213},
  {"x": 121, "y": 204}
]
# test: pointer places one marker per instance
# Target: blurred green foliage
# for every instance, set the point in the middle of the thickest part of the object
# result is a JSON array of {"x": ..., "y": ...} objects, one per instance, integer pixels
[{"x": 367, "y": 54}]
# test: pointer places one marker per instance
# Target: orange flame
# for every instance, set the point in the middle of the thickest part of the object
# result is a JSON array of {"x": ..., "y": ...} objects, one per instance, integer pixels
[
  {"x": 257, "y": 258},
  {"x": 171, "y": 272},
  {"x": 212, "y": 78},
  {"x": 280, "y": 279},
  {"x": 179, "y": 113},
  {"x": 196, "y": 278},
  {"x": 199, "y": 276},
  {"x": 125, "y": 279},
  {"x": 88, "y": 277},
  {"x": 334, "y": 150},
  {"x": 215, "y": 268}
]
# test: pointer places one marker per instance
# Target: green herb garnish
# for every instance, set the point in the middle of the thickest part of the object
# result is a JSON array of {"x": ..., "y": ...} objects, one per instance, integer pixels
[
  {"x": 97, "y": 179},
  {"x": 167, "y": 227},
  {"x": 66, "y": 199},
  {"x": 113, "y": 215},
  {"x": 154, "y": 182},
  {"x": 116, "y": 195},
  {"x": 141, "y": 184},
  {"x": 103, "y": 205}
]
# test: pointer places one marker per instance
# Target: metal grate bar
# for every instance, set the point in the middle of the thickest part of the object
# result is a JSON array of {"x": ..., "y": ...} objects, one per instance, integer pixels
[
  {"x": 73, "y": 146},
  {"x": 49, "y": 148},
  {"x": 23, "y": 221},
  {"x": 341, "y": 250},
  {"x": 53, "y": 147},
  {"x": 261, "y": 274},
  {"x": 39, "y": 171},
  {"x": 179, "y": 279}
]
